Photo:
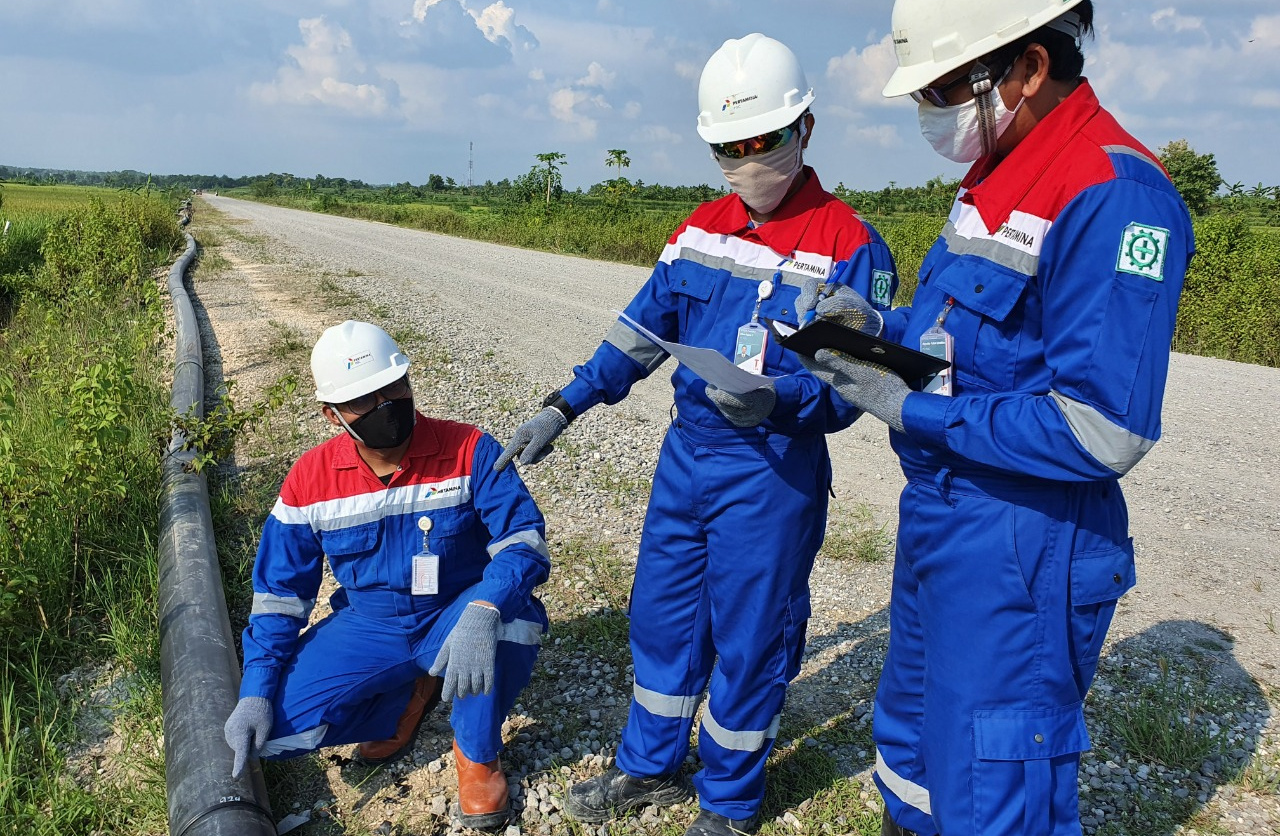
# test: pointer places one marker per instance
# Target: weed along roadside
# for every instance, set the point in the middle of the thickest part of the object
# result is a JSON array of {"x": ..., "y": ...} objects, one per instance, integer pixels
[{"x": 83, "y": 409}]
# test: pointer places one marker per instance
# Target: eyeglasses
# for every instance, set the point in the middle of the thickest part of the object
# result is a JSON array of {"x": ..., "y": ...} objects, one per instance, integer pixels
[
  {"x": 936, "y": 94},
  {"x": 762, "y": 144},
  {"x": 364, "y": 404}
]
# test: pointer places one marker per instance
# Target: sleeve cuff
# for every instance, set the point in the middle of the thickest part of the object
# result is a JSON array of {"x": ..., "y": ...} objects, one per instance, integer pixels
[
  {"x": 507, "y": 599},
  {"x": 790, "y": 395},
  {"x": 259, "y": 682},
  {"x": 579, "y": 396},
  {"x": 924, "y": 418}
]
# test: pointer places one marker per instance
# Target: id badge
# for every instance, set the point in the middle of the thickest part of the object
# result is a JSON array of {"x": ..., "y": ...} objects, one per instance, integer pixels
[
  {"x": 749, "y": 348},
  {"x": 938, "y": 343},
  {"x": 426, "y": 574}
]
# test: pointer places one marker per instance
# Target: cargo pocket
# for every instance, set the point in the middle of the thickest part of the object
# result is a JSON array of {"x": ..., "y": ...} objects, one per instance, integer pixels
[
  {"x": 1019, "y": 755},
  {"x": 1098, "y": 579},
  {"x": 352, "y": 553},
  {"x": 793, "y": 633}
]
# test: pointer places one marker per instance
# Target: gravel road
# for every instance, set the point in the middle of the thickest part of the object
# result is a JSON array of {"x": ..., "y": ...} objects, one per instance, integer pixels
[{"x": 1204, "y": 508}]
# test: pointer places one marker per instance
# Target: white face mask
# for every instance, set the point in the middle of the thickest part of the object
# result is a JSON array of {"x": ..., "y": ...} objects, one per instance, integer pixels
[
  {"x": 965, "y": 132},
  {"x": 763, "y": 180}
]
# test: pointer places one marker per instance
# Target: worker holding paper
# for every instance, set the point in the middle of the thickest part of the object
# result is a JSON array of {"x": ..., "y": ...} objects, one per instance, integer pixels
[
  {"x": 711, "y": 580},
  {"x": 1053, "y": 289}
]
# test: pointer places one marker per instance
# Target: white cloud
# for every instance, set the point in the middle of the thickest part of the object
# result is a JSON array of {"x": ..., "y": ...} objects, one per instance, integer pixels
[
  {"x": 877, "y": 136},
  {"x": 1170, "y": 21},
  {"x": 569, "y": 106},
  {"x": 861, "y": 76},
  {"x": 597, "y": 76},
  {"x": 496, "y": 22},
  {"x": 632, "y": 110},
  {"x": 325, "y": 70}
]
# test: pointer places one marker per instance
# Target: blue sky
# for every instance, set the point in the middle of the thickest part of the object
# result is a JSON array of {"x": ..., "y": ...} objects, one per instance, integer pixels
[{"x": 394, "y": 90}]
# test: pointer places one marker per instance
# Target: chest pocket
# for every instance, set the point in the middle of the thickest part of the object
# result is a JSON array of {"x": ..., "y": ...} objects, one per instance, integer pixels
[
  {"x": 352, "y": 553},
  {"x": 455, "y": 533},
  {"x": 988, "y": 322}
]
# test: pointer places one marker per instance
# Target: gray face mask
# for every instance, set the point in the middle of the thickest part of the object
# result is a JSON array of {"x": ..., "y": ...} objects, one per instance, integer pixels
[{"x": 763, "y": 180}]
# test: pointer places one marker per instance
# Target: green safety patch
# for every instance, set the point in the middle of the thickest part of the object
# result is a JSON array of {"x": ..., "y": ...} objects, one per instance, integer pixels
[
  {"x": 882, "y": 287},
  {"x": 1142, "y": 251}
]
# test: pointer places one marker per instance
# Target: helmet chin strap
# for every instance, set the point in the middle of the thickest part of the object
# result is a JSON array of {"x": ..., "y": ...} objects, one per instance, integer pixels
[{"x": 980, "y": 78}]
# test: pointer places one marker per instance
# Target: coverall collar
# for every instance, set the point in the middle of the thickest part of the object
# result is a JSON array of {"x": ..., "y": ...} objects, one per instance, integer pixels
[
  {"x": 423, "y": 442},
  {"x": 782, "y": 232},
  {"x": 996, "y": 187}
]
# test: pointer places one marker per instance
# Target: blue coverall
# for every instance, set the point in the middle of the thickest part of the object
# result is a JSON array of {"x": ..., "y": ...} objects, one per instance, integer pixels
[
  {"x": 736, "y": 516},
  {"x": 1058, "y": 275},
  {"x": 348, "y": 678}
]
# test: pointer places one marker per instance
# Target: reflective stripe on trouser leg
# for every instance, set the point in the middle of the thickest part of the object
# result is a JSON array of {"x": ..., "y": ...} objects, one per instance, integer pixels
[
  {"x": 670, "y": 621},
  {"x": 348, "y": 682},
  {"x": 766, "y": 512},
  {"x": 477, "y": 720},
  {"x": 1001, "y": 693}
]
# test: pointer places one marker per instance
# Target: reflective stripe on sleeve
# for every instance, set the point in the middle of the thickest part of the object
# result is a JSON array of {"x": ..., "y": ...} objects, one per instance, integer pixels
[
  {"x": 630, "y": 343},
  {"x": 265, "y": 603},
  {"x": 1109, "y": 443},
  {"x": 531, "y": 539}
]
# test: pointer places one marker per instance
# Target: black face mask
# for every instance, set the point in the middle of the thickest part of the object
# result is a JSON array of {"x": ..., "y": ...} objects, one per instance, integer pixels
[{"x": 388, "y": 425}]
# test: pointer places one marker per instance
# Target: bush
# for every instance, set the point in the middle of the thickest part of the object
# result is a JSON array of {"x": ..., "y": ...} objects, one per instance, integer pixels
[
  {"x": 1230, "y": 305},
  {"x": 909, "y": 238}
]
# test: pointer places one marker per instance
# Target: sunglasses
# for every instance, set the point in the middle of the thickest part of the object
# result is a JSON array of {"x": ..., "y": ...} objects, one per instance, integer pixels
[
  {"x": 762, "y": 144},
  {"x": 936, "y": 94},
  {"x": 363, "y": 405}
]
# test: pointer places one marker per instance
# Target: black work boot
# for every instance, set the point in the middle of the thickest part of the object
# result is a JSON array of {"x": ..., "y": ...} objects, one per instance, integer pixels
[
  {"x": 615, "y": 793},
  {"x": 713, "y": 824},
  {"x": 889, "y": 827}
]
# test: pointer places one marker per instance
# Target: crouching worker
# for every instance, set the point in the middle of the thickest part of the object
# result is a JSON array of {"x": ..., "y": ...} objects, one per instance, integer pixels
[{"x": 437, "y": 555}]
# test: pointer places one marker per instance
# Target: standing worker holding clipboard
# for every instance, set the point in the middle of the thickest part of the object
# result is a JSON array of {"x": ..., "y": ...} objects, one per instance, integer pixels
[
  {"x": 1054, "y": 290},
  {"x": 739, "y": 501}
]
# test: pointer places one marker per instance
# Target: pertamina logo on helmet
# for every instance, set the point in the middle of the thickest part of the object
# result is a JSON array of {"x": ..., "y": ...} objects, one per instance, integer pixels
[
  {"x": 737, "y": 99},
  {"x": 359, "y": 360}
]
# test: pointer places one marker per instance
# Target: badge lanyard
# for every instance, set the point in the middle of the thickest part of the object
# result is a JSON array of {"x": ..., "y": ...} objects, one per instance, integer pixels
[
  {"x": 753, "y": 338},
  {"x": 426, "y": 564},
  {"x": 936, "y": 342}
]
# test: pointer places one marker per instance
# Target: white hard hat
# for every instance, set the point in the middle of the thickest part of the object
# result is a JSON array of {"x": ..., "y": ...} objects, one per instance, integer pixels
[
  {"x": 934, "y": 37},
  {"x": 354, "y": 359},
  {"x": 750, "y": 86}
]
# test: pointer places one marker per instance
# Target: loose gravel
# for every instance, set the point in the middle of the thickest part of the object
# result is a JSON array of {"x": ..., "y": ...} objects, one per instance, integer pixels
[{"x": 496, "y": 328}]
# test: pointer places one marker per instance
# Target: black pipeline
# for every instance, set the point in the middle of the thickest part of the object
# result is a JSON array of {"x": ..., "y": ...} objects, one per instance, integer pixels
[{"x": 200, "y": 675}]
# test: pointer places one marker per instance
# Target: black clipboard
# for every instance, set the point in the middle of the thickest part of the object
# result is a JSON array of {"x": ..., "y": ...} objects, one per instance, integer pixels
[{"x": 912, "y": 365}]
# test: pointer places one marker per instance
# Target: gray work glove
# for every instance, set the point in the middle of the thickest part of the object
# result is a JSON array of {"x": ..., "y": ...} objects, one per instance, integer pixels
[
  {"x": 845, "y": 305},
  {"x": 868, "y": 386},
  {"x": 246, "y": 730},
  {"x": 468, "y": 653},
  {"x": 532, "y": 439},
  {"x": 745, "y": 410}
]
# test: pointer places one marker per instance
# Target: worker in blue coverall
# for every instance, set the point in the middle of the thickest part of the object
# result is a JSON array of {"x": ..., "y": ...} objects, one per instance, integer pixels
[
  {"x": 437, "y": 555},
  {"x": 714, "y": 578},
  {"x": 1053, "y": 289}
]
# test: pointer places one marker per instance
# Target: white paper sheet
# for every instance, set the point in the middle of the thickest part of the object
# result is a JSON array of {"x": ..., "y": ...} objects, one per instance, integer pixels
[{"x": 706, "y": 363}]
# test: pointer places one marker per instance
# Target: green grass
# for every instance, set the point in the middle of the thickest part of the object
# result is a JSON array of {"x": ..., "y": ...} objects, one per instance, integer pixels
[{"x": 852, "y": 535}]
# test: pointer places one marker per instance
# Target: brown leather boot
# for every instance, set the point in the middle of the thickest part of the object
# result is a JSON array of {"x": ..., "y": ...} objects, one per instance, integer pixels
[
  {"x": 483, "y": 803},
  {"x": 425, "y": 696}
]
